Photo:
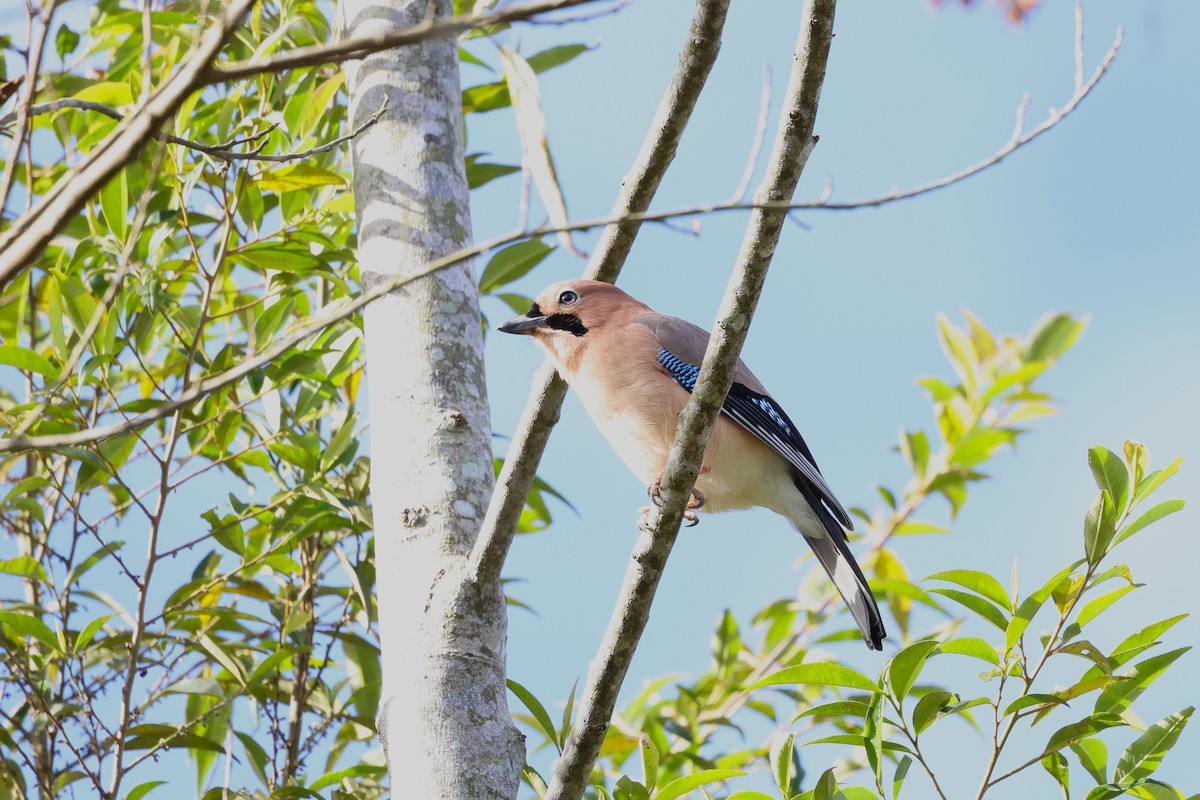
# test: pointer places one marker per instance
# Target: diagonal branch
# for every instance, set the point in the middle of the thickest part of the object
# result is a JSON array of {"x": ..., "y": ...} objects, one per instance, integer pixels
[
  {"x": 21, "y": 244},
  {"x": 794, "y": 140},
  {"x": 546, "y": 396},
  {"x": 363, "y": 46}
]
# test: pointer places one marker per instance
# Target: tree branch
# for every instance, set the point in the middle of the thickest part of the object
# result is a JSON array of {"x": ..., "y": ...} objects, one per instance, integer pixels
[
  {"x": 21, "y": 244},
  {"x": 362, "y": 46},
  {"x": 546, "y": 396},
  {"x": 794, "y": 140}
]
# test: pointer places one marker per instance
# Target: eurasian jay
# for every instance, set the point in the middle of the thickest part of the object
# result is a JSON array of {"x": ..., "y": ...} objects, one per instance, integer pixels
[{"x": 633, "y": 370}]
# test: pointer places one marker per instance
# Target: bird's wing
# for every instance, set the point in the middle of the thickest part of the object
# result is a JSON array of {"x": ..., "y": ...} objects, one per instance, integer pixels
[{"x": 682, "y": 347}]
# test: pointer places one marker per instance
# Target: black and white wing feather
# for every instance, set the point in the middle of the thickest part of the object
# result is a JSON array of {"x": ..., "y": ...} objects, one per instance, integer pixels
[{"x": 762, "y": 416}]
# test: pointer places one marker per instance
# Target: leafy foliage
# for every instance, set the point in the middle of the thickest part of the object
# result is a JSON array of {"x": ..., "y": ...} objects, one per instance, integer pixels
[
  {"x": 879, "y": 721},
  {"x": 193, "y": 575}
]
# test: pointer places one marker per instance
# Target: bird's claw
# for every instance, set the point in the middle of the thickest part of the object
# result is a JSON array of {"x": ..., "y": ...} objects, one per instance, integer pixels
[{"x": 654, "y": 492}]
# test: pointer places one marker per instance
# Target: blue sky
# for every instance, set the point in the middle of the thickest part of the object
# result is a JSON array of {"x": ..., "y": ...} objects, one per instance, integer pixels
[{"x": 1098, "y": 218}]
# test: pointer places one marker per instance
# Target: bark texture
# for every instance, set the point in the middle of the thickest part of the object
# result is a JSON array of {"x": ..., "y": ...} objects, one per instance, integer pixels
[{"x": 444, "y": 718}]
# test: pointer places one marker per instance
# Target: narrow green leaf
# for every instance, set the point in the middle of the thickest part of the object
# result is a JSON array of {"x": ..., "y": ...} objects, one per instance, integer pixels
[
  {"x": 873, "y": 735},
  {"x": 780, "y": 759},
  {"x": 1030, "y": 700},
  {"x": 1099, "y": 527},
  {"x": 681, "y": 786},
  {"x": 838, "y": 708},
  {"x": 88, "y": 633},
  {"x": 977, "y": 604},
  {"x": 1142, "y": 757},
  {"x": 649, "y": 761},
  {"x": 1098, "y": 606},
  {"x": 27, "y": 360},
  {"x": 1111, "y": 475},
  {"x": 537, "y": 709},
  {"x": 26, "y": 625},
  {"x": 857, "y": 741},
  {"x": 1088, "y": 726},
  {"x": 114, "y": 204},
  {"x": 1052, "y": 336},
  {"x": 821, "y": 673},
  {"x": 1156, "y": 479},
  {"x": 1118, "y": 697},
  {"x": 1159, "y": 511},
  {"x": 899, "y": 776},
  {"x": 970, "y": 646},
  {"x": 1093, "y": 757},
  {"x": 511, "y": 263},
  {"x": 143, "y": 789}
]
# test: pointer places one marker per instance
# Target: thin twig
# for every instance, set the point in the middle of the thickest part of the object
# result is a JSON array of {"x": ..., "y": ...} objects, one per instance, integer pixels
[
  {"x": 638, "y": 188},
  {"x": 760, "y": 136},
  {"x": 23, "y": 117},
  {"x": 793, "y": 143}
]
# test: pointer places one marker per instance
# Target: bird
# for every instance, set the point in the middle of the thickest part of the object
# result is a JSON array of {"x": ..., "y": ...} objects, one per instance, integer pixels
[{"x": 634, "y": 369}]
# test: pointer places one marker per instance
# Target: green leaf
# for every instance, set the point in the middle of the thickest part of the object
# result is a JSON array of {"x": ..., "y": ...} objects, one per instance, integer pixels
[
  {"x": 1088, "y": 726},
  {"x": 65, "y": 42},
  {"x": 556, "y": 56},
  {"x": 838, "y": 708},
  {"x": 545, "y": 723},
  {"x": 782, "y": 747},
  {"x": 88, "y": 633},
  {"x": 1136, "y": 643},
  {"x": 109, "y": 93},
  {"x": 1056, "y": 765},
  {"x": 26, "y": 360},
  {"x": 1142, "y": 757},
  {"x": 906, "y": 665},
  {"x": 822, "y": 673},
  {"x": 24, "y": 567},
  {"x": 899, "y": 776},
  {"x": 857, "y": 741},
  {"x": 1111, "y": 475},
  {"x": 480, "y": 173},
  {"x": 1153, "y": 515},
  {"x": 649, "y": 761},
  {"x": 977, "y": 604},
  {"x": 970, "y": 646},
  {"x": 294, "y": 177},
  {"x": 826, "y": 787},
  {"x": 256, "y": 755},
  {"x": 511, "y": 263},
  {"x": 1156, "y": 479},
  {"x": 1098, "y": 606},
  {"x": 30, "y": 626},
  {"x": 915, "y": 449},
  {"x": 1052, "y": 336},
  {"x": 1099, "y": 526},
  {"x": 726, "y": 643},
  {"x": 143, "y": 789},
  {"x": 1030, "y": 700},
  {"x": 114, "y": 203},
  {"x": 1093, "y": 757},
  {"x": 929, "y": 708},
  {"x": 1118, "y": 697},
  {"x": 681, "y": 786},
  {"x": 979, "y": 582}
]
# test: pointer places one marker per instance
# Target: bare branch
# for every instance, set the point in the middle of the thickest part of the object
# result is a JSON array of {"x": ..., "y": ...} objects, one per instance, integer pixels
[
  {"x": 639, "y": 186},
  {"x": 362, "y": 46},
  {"x": 23, "y": 117},
  {"x": 22, "y": 243},
  {"x": 760, "y": 136},
  {"x": 793, "y": 143}
]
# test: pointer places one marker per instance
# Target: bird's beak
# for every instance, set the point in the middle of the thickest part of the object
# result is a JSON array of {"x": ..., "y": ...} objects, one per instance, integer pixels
[{"x": 526, "y": 325}]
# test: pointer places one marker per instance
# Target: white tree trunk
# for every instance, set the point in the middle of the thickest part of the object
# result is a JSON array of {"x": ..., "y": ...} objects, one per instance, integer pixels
[{"x": 444, "y": 718}]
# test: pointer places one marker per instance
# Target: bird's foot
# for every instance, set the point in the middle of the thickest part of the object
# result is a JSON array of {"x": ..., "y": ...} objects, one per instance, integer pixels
[{"x": 694, "y": 504}]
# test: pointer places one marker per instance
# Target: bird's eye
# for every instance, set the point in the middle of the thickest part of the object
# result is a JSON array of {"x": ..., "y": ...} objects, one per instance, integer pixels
[{"x": 567, "y": 297}]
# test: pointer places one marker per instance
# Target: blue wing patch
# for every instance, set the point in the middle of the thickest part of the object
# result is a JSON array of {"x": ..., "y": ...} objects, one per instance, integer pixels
[
  {"x": 683, "y": 372},
  {"x": 760, "y": 416}
]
